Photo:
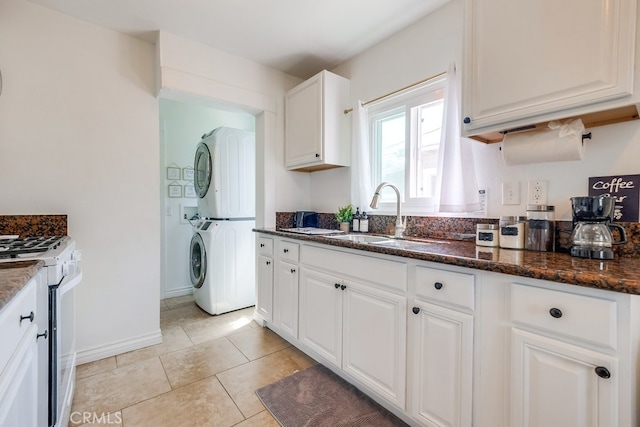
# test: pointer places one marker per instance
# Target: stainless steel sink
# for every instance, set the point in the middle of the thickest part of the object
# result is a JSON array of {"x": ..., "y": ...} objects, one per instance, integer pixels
[
  {"x": 361, "y": 238},
  {"x": 404, "y": 244}
]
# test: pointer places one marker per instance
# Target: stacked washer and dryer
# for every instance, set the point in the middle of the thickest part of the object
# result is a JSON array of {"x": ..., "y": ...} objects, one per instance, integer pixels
[{"x": 222, "y": 266}]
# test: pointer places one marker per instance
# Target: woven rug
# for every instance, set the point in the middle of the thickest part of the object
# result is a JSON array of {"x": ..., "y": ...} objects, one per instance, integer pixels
[{"x": 318, "y": 397}]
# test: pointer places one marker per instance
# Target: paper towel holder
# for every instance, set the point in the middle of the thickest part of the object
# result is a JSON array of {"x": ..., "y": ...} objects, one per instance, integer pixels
[{"x": 584, "y": 136}]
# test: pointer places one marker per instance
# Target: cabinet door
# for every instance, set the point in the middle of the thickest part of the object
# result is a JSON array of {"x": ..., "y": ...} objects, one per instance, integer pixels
[
  {"x": 264, "y": 303},
  {"x": 321, "y": 314},
  {"x": 19, "y": 384},
  {"x": 285, "y": 298},
  {"x": 529, "y": 58},
  {"x": 374, "y": 339},
  {"x": 441, "y": 351},
  {"x": 555, "y": 384},
  {"x": 304, "y": 123}
]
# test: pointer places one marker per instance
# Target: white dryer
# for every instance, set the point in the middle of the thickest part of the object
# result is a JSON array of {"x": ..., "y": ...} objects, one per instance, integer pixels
[
  {"x": 225, "y": 174},
  {"x": 222, "y": 266}
]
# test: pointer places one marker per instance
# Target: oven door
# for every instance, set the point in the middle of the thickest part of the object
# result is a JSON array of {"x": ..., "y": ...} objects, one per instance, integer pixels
[{"x": 62, "y": 347}]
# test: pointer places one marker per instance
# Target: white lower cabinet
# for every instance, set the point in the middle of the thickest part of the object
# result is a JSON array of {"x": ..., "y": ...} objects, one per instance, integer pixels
[
  {"x": 321, "y": 314},
  {"x": 555, "y": 384},
  {"x": 565, "y": 368},
  {"x": 285, "y": 298},
  {"x": 19, "y": 375},
  {"x": 446, "y": 346},
  {"x": 440, "y": 343},
  {"x": 441, "y": 348},
  {"x": 374, "y": 339},
  {"x": 358, "y": 328},
  {"x": 264, "y": 276},
  {"x": 285, "y": 288},
  {"x": 264, "y": 290}
]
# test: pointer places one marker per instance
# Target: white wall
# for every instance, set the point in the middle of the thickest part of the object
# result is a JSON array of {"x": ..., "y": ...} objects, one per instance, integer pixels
[
  {"x": 182, "y": 126},
  {"x": 79, "y": 136},
  {"x": 425, "y": 49}
]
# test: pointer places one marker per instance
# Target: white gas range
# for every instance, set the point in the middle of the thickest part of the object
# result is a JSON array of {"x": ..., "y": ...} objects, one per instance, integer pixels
[{"x": 63, "y": 274}]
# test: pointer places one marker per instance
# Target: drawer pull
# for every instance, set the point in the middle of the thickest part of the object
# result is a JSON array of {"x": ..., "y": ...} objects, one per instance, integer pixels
[
  {"x": 268, "y": 262},
  {"x": 602, "y": 372},
  {"x": 438, "y": 285},
  {"x": 343, "y": 287},
  {"x": 44, "y": 335},
  {"x": 262, "y": 245},
  {"x": 415, "y": 310},
  {"x": 555, "y": 312},
  {"x": 337, "y": 285},
  {"x": 31, "y": 316},
  {"x": 293, "y": 270},
  {"x": 286, "y": 251}
]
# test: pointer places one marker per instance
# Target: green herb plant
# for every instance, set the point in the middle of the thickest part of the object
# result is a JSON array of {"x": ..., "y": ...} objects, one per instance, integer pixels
[{"x": 345, "y": 213}]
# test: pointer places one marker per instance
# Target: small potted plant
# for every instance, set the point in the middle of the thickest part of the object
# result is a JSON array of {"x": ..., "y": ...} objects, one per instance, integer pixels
[{"x": 344, "y": 217}]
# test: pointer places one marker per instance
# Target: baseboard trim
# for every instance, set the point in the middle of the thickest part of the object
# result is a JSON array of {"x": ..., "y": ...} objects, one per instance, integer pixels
[
  {"x": 118, "y": 347},
  {"x": 178, "y": 292}
]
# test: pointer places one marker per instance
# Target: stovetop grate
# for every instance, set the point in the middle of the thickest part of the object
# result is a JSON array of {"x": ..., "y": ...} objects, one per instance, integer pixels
[{"x": 10, "y": 248}]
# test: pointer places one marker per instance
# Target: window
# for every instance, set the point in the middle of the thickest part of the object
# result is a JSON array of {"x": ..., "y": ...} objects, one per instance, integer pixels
[{"x": 405, "y": 143}]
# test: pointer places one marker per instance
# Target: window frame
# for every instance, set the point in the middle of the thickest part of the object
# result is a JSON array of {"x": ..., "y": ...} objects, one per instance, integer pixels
[{"x": 404, "y": 101}]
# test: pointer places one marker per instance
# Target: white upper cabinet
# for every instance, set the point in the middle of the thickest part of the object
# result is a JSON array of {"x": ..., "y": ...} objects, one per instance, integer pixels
[
  {"x": 317, "y": 132},
  {"x": 529, "y": 62}
]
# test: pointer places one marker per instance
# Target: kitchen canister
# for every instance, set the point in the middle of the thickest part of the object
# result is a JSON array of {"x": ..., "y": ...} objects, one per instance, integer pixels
[
  {"x": 487, "y": 235},
  {"x": 512, "y": 232},
  {"x": 541, "y": 228}
]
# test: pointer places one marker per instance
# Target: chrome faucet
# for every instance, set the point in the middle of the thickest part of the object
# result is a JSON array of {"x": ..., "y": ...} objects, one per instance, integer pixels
[{"x": 400, "y": 224}]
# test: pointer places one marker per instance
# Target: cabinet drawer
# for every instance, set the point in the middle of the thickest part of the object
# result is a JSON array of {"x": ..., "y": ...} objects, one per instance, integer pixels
[
  {"x": 585, "y": 318},
  {"x": 288, "y": 251},
  {"x": 444, "y": 286},
  {"x": 390, "y": 274},
  {"x": 11, "y": 328},
  {"x": 265, "y": 246}
]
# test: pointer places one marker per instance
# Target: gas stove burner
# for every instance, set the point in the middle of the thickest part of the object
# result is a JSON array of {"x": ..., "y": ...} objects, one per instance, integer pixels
[{"x": 11, "y": 248}]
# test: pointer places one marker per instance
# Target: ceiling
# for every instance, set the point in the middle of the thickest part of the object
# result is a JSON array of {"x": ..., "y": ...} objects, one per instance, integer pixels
[{"x": 298, "y": 37}]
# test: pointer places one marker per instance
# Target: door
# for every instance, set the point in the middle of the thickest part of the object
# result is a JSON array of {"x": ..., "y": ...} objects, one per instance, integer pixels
[
  {"x": 304, "y": 123},
  {"x": 374, "y": 339},
  {"x": 202, "y": 170},
  {"x": 321, "y": 314},
  {"x": 264, "y": 304},
  {"x": 198, "y": 261},
  {"x": 285, "y": 298},
  {"x": 528, "y": 58},
  {"x": 555, "y": 384},
  {"x": 441, "y": 350}
]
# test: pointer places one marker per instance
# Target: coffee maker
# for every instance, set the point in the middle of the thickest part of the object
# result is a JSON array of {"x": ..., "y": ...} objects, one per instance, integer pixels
[{"x": 592, "y": 225}]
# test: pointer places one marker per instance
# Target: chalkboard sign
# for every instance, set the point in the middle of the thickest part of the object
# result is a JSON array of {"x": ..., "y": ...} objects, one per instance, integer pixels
[{"x": 625, "y": 189}]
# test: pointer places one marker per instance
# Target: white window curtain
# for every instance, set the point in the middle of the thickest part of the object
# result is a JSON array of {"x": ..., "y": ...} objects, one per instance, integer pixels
[
  {"x": 456, "y": 185},
  {"x": 361, "y": 191}
]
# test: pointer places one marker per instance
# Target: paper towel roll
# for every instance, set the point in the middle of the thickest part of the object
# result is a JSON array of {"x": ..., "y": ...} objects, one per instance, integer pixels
[{"x": 538, "y": 146}]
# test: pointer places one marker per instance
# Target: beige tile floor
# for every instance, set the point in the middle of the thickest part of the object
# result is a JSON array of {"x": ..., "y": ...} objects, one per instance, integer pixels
[{"x": 204, "y": 373}]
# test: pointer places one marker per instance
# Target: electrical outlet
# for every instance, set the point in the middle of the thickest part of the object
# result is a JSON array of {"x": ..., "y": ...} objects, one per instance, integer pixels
[
  {"x": 511, "y": 193},
  {"x": 537, "y": 192}
]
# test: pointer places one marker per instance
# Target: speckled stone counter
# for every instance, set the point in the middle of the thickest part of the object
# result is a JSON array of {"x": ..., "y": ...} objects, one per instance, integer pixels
[
  {"x": 619, "y": 275},
  {"x": 33, "y": 225},
  {"x": 13, "y": 277}
]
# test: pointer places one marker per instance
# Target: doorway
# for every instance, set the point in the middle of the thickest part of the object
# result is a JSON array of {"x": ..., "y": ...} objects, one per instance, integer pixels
[{"x": 182, "y": 125}]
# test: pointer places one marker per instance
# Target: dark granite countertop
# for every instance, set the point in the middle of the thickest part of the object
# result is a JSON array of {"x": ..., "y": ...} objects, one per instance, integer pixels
[
  {"x": 618, "y": 275},
  {"x": 13, "y": 277}
]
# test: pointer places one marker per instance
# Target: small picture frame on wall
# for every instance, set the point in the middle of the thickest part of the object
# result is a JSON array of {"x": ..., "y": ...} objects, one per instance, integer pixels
[
  {"x": 175, "y": 190},
  {"x": 189, "y": 191},
  {"x": 187, "y": 174},
  {"x": 173, "y": 173}
]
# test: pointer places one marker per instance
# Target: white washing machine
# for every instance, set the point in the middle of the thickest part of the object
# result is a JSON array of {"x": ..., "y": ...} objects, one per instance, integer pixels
[{"x": 222, "y": 266}]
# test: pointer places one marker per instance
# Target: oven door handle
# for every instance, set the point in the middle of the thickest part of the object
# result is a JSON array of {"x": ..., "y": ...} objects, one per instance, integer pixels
[{"x": 69, "y": 282}]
